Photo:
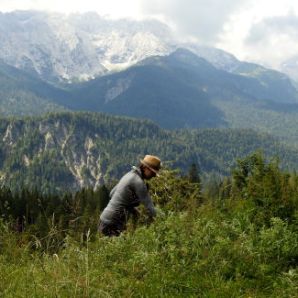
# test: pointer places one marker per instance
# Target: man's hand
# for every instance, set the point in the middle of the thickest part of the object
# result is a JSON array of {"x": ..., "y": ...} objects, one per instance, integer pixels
[{"x": 159, "y": 212}]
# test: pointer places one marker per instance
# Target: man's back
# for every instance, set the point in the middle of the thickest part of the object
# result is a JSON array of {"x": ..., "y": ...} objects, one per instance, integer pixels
[{"x": 130, "y": 191}]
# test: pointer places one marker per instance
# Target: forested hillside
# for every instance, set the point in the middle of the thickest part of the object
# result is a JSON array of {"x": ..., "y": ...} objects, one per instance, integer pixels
[{"x": 66, "y": 151}]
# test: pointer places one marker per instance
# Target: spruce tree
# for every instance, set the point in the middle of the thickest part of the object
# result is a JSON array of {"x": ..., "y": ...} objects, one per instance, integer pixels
[{"x": 193, "y": 174}]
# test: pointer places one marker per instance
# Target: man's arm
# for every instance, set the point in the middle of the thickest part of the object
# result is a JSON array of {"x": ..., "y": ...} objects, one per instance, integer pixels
[{"x": 144, "y": 197}]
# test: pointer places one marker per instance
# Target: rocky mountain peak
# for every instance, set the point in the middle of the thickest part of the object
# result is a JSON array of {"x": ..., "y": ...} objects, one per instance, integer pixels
[{"x": 57, "y": 47}]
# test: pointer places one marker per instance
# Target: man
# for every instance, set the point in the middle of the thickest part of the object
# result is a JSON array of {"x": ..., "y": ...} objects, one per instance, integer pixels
[{"x": 130, "y": 192}]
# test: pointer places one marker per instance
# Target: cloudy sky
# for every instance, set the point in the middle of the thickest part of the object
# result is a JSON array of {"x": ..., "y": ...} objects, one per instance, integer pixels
[{"x": 263, "y": 31}]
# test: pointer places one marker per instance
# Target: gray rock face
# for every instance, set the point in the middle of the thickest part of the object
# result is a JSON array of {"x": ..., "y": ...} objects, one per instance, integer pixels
[
  {"x": 77, "y": 47},
  {"x": 77, "y": 154},
  {"x": 57, "y": 47}
]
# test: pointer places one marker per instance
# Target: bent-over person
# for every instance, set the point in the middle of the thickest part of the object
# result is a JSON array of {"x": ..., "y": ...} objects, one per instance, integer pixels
[{"x": 130, "y": 192}]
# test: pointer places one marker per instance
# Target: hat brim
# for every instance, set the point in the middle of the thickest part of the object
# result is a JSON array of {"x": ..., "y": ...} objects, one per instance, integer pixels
[{"x": 150, "y": 168}]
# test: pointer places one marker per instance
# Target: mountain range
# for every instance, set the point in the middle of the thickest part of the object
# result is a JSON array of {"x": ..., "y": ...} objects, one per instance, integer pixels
[
  {"x": 76, "y": 47},
  {"x": 178, "y": 90},
  {"x": 58, "y": 47},
  {"x": 182, "y": 90}
]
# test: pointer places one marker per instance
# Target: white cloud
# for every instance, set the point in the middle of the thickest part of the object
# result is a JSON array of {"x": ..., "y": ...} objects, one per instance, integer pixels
[
  {"x": 113, "y": 8},
  {"x": 202, "y": 19},
  {"x": 274, "y": 40},
  {"x": 265, "y": 32}
]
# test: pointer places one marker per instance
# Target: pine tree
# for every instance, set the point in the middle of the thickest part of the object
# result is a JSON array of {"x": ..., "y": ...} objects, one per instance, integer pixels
[
  {"x": 193, "y": 174},
  {"x": 103, "y": 197}
]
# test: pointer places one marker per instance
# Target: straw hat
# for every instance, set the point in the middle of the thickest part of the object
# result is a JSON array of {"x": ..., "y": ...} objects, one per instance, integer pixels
[{"x": 152, "y": 162}]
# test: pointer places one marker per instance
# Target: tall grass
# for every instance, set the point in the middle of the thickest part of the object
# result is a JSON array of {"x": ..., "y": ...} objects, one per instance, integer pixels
[{"x": 206, "y": 253}]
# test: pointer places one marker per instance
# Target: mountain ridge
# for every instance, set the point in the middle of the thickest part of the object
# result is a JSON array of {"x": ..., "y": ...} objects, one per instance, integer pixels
[
  {"x": 88, "y": 45},
  {"x": 176, "y": 91},
  {"x": 181, "y": 90}
]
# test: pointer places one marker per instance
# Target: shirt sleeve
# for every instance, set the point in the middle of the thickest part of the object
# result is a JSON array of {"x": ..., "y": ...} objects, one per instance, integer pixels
[{"x": 144, "y": 197}]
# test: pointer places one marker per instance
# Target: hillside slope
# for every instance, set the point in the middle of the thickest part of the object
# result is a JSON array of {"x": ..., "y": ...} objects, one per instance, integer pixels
[
  {"x": 72, "y": 150},
  {"x": 24, "y": 94}
]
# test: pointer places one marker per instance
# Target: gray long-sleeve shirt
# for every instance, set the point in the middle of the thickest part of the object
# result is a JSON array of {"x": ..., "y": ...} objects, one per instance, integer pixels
[{"x": 130, "y": 191}]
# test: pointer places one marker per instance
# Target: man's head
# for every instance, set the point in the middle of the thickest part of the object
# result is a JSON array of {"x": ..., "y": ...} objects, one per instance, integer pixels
[{"x": 150, "y": 166}]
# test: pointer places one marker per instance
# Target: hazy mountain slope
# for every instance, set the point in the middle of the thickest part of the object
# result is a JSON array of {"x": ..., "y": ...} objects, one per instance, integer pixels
[
  {"x": 22, "y": 94},
  {"x": 181, "y": 90},
  {"x": 280, "y": 120},
  {"x": 151, "y": 90}
]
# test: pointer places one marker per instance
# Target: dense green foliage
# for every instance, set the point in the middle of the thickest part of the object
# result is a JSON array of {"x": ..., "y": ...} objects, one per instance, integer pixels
[
  {"x": 242, "y": 242},
  {"x": 48, "y": 219},
  {"x": 68, "y": 151}
]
